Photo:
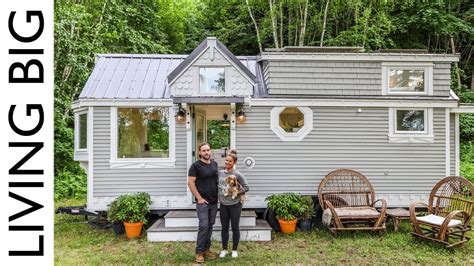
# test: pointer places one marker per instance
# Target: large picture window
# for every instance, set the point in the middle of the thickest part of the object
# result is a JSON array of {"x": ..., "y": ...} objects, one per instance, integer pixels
[
  {"x": 143, "y": 132},
  {"x": 211, "y": 80}
]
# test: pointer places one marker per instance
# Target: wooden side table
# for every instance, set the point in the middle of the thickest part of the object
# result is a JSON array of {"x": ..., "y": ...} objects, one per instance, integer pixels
[{"x": 397, "y": 215}]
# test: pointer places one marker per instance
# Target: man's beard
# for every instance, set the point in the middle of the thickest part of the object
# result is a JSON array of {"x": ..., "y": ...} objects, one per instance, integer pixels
[{"x": 207, "y": 157}]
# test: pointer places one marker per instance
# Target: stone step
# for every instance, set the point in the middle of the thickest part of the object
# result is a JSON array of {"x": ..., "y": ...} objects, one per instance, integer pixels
[
  {"x": 189, "y": 218},
  {"x": 159, "y": 233}
]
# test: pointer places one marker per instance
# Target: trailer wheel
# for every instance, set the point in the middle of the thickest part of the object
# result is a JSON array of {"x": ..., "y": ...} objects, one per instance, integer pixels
[{"x": 270, "y": 216}]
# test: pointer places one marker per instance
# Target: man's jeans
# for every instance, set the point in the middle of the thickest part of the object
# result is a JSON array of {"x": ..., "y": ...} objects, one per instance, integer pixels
[{"x": 206, "y": 214}]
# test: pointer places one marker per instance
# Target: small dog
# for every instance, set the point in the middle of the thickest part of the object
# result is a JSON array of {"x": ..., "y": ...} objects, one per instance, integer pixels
[{"x": 232, "y": 188}]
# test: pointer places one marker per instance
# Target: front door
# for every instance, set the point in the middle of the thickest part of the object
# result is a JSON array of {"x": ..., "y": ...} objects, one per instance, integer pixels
[{"x": 212, "y": 125}]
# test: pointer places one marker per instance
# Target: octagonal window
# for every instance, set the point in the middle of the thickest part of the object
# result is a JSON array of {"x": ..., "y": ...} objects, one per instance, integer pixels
[
  {"x": 291, "y": 123},
  {"x": 291, "y": 119}
]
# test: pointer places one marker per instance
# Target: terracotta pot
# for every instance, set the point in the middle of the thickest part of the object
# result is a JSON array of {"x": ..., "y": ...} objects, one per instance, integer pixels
[
  {"x": 133, "y": 229},
  {"x": 287, "y": 227}
]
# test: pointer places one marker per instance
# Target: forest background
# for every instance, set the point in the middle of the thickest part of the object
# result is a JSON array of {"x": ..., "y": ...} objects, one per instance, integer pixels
[{"x": 84, "y": 28}]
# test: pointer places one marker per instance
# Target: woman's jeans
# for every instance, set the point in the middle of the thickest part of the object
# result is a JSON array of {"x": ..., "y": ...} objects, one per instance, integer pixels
[{"x": 230, "y": 213}]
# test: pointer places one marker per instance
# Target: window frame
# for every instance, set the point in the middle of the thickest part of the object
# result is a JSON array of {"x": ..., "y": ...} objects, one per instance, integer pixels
[
  {"x": 77, "y": 129},
  {"x": 211, "y": 93},
  {"x": 425, "y": 120},
  {"x": 116, "y": 162},
  {"x": 427, "y": 76},
  {"x": 291, "y": 136},
  {"x": 400, "y": 136}
]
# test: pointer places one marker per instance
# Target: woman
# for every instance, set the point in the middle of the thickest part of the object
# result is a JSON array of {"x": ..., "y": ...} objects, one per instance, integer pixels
[{"x": 230, "y": 208}]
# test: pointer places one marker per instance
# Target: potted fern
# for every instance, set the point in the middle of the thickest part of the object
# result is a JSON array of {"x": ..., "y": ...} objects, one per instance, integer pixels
[
  {"x": 131, "y": 209},
  {"x": 287, "y": 206}
]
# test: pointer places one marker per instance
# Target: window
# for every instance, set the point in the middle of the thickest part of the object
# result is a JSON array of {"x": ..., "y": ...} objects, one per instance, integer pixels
[
  {"x": 291, "y": 123},
  {"x": 411, "y": 125},
  {"x": 401, "y": 80},
  {"x": 407, "y": 78},
  {"x": 143, "y": 132},
  {"x": 82, "y": 131},
  {"x": 291, "y": 119},
  {"x": 211, "y": 80},
  {"x": 410, "y": 121}
]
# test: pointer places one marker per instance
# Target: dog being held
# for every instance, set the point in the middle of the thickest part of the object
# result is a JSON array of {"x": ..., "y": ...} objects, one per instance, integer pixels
[{"x": 232, "y": 188}]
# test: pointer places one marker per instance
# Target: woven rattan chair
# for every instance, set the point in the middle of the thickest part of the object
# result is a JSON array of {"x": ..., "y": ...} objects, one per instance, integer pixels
[
  {"x": 450, "y": 209},
  {"x": 349, "y": 199}
]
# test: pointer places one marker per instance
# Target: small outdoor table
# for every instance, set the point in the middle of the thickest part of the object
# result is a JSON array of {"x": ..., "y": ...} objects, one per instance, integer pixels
[{"x": 397, "y": 215}]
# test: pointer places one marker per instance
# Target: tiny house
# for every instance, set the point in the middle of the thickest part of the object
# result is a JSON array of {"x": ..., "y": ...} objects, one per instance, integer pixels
[{"x": 293, "y": 114}]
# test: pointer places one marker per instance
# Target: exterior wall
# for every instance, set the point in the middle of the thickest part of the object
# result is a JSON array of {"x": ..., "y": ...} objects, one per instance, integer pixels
[
  {"x": 338, "y": 78},
  {"x": 341, "y": 138},
  {"x": 188, "y": 83},
  {"x": 167, "y": 186}
]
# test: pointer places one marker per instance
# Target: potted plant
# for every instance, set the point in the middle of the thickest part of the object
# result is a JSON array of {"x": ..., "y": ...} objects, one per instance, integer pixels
[
  {"x": 306, "y": 213},
  {"x": 132, "y": 210},
  {"x": 286, "y": 206},
  {"x": 112, "y": 216}
]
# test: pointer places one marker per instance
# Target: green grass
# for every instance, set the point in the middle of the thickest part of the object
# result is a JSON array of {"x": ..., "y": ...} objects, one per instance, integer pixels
[{"x": 78, "y": 243}]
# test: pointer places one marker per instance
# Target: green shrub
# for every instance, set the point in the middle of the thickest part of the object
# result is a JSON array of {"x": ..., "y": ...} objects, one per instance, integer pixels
[
  {"x": 467, "y": 160},
  {"x": 307, "y": 208},
  {"x": 130, "y": 208},
  {"x": 290, "y": 206}
]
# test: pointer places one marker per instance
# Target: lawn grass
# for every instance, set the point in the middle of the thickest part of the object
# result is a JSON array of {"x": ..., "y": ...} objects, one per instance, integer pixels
[{"x": 78, "y": 243}]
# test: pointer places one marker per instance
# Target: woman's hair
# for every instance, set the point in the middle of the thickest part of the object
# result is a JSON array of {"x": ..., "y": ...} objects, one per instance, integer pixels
[{"x": 233, "y": 153}]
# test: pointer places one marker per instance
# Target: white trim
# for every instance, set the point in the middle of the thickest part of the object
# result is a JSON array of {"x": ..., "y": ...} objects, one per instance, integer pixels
[
  {"x": 142, "y": 162},
  {"x": 448, "y": 140},
  {"x": 395, "y": 136},
  {"x": 189, "y": 150},
  {"x": 457, "y": 160},
  {"x": 463, "y": 109},
  {"x": 453, "y": 95},
  {"x": 233, "y": 125},
  {"x": 90, "y": 170},
  {"x": 122, "y": 102},
  {"x": 352, "y": 102},
  {"x": 81, "y": 154},
  {"x": 358, "y": 57},
  {"x": 296, "y": 136},
  {"x": 427, "y": 77}
]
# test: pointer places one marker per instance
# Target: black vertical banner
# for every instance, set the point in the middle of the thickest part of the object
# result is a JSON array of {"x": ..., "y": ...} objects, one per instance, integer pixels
[{"x": 27, "y": 132}]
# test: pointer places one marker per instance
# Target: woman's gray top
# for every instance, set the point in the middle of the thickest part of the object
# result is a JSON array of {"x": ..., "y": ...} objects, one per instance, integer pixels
[{"x": 227, "y": 200}]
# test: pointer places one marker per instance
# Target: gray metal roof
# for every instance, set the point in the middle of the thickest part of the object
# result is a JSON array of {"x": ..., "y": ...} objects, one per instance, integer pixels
[{"x": 133, "y": 76}]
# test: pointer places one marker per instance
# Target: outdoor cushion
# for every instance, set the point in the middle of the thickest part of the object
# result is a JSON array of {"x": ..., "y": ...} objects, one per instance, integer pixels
[
  {"x": 354, "y": 212},
  {"x": 437, "y": 220}
]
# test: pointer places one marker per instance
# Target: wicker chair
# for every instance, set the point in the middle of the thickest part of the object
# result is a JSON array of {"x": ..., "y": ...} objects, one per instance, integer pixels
[
  {"x": 349, "y": 198},
  {"x": 450, "y": 209}
]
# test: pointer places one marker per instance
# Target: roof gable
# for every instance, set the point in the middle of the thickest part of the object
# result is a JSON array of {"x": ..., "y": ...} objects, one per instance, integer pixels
[{"x": 210, "y": 43}]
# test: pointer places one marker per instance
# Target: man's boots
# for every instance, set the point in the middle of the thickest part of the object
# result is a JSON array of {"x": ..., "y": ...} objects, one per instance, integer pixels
[{"x": 200, "y": 257}]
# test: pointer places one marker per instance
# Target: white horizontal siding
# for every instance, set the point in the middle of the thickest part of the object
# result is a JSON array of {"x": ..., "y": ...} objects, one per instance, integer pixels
[{"x": 341, "y": 138}]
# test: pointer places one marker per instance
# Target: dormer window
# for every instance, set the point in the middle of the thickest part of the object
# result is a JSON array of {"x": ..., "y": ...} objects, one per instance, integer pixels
[
  {"x": 211, "y": 80},
  {"x": 400, "y": 78},
  {"x": 406, "y": 80}
]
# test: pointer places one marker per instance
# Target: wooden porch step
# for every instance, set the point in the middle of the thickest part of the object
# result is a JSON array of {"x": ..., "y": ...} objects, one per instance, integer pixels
[
  {"x": 159, "y": 233},
  {"x": 188, "y": 218}
]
